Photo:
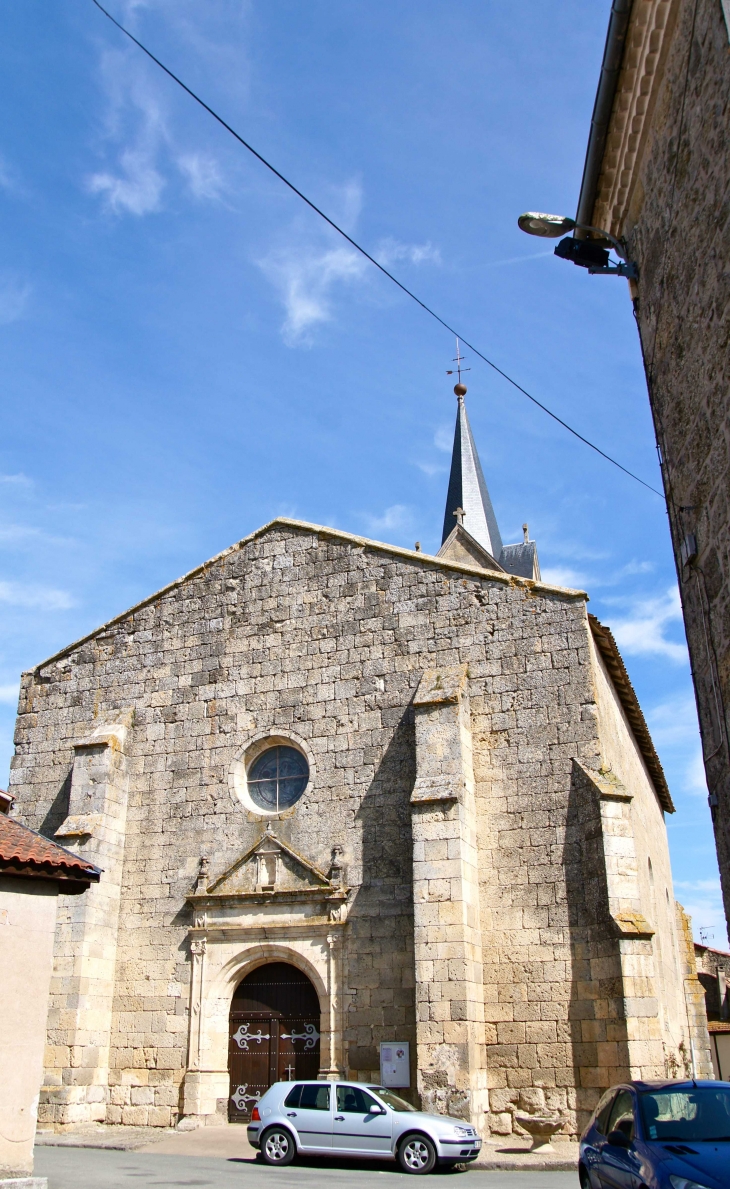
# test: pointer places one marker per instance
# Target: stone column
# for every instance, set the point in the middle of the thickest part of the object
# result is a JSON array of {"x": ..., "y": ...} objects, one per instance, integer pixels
[
  {"x": 451, "y": 1054},
  {"x": 76, "y": 1086},
  {"x": 634, "y": 1045}
]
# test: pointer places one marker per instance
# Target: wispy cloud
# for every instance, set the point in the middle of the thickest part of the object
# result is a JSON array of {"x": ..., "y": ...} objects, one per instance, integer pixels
[
  {"x": 516, "y": 259},
  {"x": 305, "y": 279},
  {"x": 9, "y": 693},
  {"x": 396, "y": 518},
  {"x": 14, "y": 295},
  {"x": 702, "y": 899},
  {"x": 432, "y": 468},
  {"x": 135, "y": 116},
  {"x": 46, "y": 598},
  {"x": 443, "y": 439},
  {"x": 674, "y": 722},
  {"x": 675, "y": 731},
  {"x": 563, "y": 576},
  {"x": 390, "y": 251},
  {"x": 10, "y": 180},
  {"x": 203, "y": 175},
  {"x": 643, "y": 631},
  {"x": 19, "y": 480},
  {"x": 137, "y": 123}
]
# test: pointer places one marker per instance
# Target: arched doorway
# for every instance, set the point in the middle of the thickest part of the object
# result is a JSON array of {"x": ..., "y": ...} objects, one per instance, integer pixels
[{"x": 273, "y": 1034}]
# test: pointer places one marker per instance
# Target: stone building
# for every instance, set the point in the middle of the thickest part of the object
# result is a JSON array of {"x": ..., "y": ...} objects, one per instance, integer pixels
[
  {"x": 713, "y": 970},
  {"x": 361, "y": 811},
  {"x": 656, "y": 174}
]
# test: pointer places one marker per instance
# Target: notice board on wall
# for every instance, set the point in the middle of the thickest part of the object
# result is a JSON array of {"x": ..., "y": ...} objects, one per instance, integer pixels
[{"x": 395, "y": 1065}]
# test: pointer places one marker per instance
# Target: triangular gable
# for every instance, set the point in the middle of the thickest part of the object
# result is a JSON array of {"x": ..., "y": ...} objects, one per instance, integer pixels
[
  {"x": 269, "y": 865},
  {"x": 460, "y": 546},
  {"x": 467, "y": 567}
]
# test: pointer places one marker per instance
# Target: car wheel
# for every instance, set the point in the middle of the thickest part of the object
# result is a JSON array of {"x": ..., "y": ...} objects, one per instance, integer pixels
[
  {"x": 277, "y": 1146},
  {"x": 585, "y": 1180},
  {"x": 416, "y": 1154}
]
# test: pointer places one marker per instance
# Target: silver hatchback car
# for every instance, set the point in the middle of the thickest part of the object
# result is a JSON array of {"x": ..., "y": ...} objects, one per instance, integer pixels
[{"x": 353, "y": 1119}]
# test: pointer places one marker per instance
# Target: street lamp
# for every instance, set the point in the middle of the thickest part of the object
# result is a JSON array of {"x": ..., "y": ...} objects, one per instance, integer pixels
[{"x": 592, "y": 254}]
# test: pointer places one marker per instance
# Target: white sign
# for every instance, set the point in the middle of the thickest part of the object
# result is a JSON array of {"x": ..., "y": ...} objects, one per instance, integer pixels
[{"x": 395, "y": 1065}]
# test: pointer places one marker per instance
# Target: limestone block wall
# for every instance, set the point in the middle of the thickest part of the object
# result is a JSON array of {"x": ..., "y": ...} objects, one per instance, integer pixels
[
  {"x": 647, "y": 877},
  {"x": 76, "y": 1081},
  {"x": 316, "y": 634},
  {"x": 532, "y": 716},
  {"x": 451, "y": 1054},
  {"x": 664, "y": 187}
]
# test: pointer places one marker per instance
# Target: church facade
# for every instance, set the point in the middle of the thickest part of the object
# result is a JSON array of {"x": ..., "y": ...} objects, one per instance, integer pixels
[{"x": 360, "y": 812}]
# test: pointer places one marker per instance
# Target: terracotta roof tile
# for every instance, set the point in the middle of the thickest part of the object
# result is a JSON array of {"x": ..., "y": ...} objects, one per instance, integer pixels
[{"x": 24, "y": 852}]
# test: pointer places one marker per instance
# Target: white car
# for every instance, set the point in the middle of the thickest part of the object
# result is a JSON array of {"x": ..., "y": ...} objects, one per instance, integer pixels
[{"x": 354, "y": 1119}]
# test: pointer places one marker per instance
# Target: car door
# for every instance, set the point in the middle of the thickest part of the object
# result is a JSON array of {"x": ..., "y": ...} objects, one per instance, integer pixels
[
  {"x": 308, "y": 1110},
  {"x": 619, "y": 1167},
  {"x": 360, "y": 1127},
  {"x": 594, "y": 1139}
]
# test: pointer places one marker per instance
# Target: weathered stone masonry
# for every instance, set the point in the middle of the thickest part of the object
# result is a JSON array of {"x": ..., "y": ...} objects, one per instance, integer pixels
[
  {"x": 468, "y": 755},
  {"x": 663, "y": 186}
]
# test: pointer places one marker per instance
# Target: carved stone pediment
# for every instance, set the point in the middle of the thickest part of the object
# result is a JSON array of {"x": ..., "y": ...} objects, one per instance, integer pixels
[{"x": 271, "y": 872}]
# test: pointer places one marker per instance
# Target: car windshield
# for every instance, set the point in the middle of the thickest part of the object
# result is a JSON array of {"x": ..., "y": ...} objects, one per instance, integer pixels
[
  {"x": 700, "y": 1113},
  {"x": 392, "y": 1100}
]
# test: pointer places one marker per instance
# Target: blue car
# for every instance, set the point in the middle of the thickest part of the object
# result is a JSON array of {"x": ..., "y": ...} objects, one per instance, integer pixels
[{"x": 659, "y": 1135}]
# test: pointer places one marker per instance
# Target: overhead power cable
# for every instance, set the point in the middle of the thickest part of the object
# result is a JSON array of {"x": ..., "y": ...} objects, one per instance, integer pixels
[{"x": 457, "y": 333}]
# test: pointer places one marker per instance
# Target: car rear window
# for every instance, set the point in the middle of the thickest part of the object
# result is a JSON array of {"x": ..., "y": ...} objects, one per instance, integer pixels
[{"x": 315, "y": 1098}]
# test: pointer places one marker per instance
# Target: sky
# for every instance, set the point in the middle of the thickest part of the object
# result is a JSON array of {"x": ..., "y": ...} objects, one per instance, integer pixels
[{"x": 188, "y": 351}]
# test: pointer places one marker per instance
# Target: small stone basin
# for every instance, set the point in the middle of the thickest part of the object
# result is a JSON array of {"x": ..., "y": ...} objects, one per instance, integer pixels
[{"x": 542, "y": 1128}]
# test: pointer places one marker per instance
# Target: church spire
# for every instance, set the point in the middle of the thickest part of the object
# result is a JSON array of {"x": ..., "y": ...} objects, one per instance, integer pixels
[{"x": 467, "y": 500}]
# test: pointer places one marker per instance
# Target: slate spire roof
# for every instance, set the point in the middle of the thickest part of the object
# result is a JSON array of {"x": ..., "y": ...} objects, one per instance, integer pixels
[
  {"x": 470, "y": 526},
  {"x": 468, "y": 489}
]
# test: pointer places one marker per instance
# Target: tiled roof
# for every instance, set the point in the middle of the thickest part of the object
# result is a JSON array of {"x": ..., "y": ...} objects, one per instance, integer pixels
[{"x": 24, "y": 852}]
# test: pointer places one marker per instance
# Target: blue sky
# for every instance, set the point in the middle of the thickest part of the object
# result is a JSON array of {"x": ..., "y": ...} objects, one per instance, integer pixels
[{"x": 189, "y": 352}]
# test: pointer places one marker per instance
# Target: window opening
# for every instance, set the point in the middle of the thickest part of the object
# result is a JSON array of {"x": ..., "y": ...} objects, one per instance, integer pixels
[{"x": 277, "y": 779}]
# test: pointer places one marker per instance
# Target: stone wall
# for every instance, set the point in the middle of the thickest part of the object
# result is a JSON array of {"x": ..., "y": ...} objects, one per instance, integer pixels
[
  {"x": 713, "y": 970},
  {"x": 324, "y": 637},
  {"x": 664, "y": 187}
]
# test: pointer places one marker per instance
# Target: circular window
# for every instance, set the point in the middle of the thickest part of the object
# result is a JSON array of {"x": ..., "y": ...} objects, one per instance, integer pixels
[{"x": 277, "y": 778}]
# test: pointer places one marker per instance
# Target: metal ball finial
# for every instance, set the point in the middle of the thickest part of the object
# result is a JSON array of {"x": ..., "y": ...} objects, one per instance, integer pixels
[{"x": 460, "y": 389}]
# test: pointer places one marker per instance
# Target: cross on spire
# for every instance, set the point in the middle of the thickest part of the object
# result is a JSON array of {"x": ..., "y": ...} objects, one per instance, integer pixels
[{"x": 458, "y": 360}]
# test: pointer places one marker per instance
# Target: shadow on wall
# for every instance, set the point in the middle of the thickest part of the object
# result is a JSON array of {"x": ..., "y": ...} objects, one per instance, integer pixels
[
  {"x": 380, "y": 959},
  {"x": 58, "y": 811},
  {"x": 596, "y": 989}
]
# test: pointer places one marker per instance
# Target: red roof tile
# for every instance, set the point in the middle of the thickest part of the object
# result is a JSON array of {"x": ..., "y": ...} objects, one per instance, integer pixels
[{"x": 24, "y": 852}]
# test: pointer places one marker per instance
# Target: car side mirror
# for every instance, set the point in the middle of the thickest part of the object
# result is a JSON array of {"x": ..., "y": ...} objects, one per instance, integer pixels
[
  {"x": 619, "y": 1139},
  {"x": 378, "y": 1110}
]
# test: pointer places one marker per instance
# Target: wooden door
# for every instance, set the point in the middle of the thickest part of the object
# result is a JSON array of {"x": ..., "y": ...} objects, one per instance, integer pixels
[{"x": 273, "y": 1034}]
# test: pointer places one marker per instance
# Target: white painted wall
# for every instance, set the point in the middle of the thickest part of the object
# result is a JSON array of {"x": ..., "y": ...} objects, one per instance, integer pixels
[{"x": 27, "y": 926}]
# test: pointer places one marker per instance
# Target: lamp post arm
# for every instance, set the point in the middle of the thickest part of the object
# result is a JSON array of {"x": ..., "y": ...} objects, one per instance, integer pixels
[{"x": 618, "y": 247}]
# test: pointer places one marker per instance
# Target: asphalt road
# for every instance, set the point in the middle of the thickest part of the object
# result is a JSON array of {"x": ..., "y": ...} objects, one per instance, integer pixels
[{"x": 95, "y": 1168}]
